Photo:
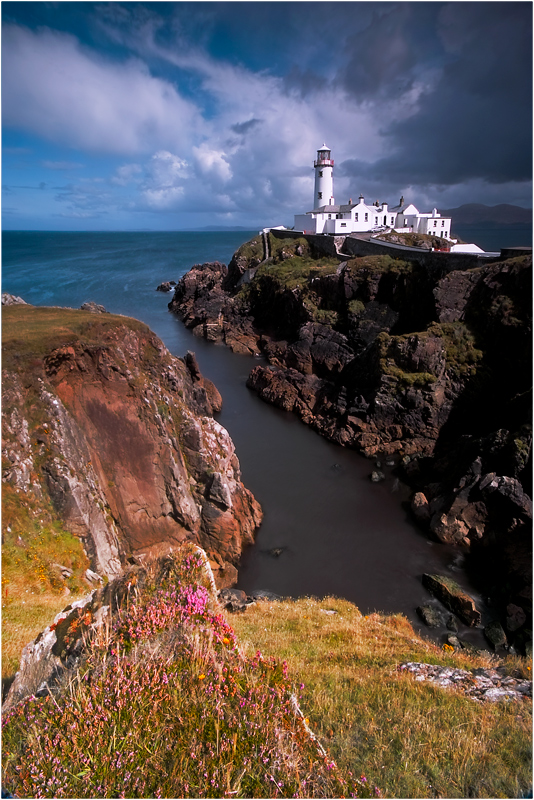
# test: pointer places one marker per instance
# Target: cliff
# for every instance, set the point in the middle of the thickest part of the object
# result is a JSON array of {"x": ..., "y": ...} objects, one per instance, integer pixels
[
  {"x": 419, "y": 362},
  {"x": 120, "y": 436}
]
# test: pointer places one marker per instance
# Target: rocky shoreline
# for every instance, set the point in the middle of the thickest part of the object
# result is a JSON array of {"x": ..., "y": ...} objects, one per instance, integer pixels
[{"x": 409, "y": 360}]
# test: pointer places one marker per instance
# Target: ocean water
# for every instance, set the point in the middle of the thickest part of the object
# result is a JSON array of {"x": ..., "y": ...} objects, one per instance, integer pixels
[{"x": 339, "y": 533}]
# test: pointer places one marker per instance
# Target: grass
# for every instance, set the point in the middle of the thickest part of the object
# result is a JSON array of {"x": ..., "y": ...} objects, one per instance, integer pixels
[
  {"x": 30, "y": 333},
  {"x": 175, "y": 709},
  {"x": 414, "y": 739},
  {"x": 33, "y": 589}
]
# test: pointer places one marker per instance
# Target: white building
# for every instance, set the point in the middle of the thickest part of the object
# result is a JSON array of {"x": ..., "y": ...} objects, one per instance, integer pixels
[{"x": 327, "y": 217}]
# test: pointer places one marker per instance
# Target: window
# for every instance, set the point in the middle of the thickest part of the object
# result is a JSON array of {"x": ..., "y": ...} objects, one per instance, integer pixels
[
  {"x": 392, "y": 221},
  {"x": 376, "y": 220},
  {"x": 356, "y": 218},
  {"x": 343, "y": 224},
  {"x": 330, "y": 216},
  {"x": 320, "y": 195},
  {"x": 435, "y": 224},
  {"x": 320, "y": 173},
  {"x": 442, "y": 223},
  {"x": 367, "y": 217}
]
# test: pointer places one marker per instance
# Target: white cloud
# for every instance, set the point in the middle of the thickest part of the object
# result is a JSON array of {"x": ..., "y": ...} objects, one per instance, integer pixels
[
  {"x": 55, "y": 88},
  {"x": 212, "y": 162}
]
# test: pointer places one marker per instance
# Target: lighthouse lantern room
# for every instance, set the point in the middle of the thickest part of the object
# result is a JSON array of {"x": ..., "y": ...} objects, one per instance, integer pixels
[{"x": 324, "y": 180}]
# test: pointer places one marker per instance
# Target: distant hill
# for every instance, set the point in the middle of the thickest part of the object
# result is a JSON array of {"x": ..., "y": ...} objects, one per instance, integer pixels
[{"x": 476, "y": 213}]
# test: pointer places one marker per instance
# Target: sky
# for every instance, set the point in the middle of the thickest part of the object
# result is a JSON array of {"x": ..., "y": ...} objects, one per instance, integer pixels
[{"x": 180, "y": 115}]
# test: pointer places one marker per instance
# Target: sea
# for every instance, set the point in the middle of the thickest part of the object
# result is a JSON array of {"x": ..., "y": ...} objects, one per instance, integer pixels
[{"x": 327, "y": 529}]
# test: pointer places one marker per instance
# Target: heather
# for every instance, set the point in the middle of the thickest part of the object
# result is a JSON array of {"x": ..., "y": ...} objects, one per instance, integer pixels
[{"x": 163, "y": 703}]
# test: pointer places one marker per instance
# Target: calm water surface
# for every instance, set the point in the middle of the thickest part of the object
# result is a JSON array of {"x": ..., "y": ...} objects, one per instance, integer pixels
[{"x": 339, "y": 533}]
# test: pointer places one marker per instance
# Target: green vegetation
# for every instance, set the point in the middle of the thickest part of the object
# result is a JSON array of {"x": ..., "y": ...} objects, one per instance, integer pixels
[
  {"x": 297, "y": 271},
  {"x": 463, "y": 357},
  {"x": 380, "y": 264},
  {"x": 29, "y": 333},
  {"x": 415, "y": 739},
  {"x": 166, "y": 705},
  {"x": 33, "y": 589}
]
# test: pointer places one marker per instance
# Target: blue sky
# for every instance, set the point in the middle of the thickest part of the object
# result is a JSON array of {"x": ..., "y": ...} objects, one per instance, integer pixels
[{"x": 168, "y": 116}]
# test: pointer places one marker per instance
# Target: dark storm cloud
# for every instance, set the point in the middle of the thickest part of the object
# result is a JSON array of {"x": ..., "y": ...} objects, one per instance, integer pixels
[
  {"x": 476, "y": 121},
  {"x": 244, "y": 127}
]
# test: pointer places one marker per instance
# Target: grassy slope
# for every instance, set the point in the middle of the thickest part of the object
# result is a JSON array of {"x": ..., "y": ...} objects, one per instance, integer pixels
[{"x": 415, "y": 740}]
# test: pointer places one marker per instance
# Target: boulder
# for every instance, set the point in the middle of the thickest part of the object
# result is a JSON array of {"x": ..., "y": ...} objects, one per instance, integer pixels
[
  {"x": 233, "y": 599},
  {"x": 93, "y": 307},
  {"x": 431, "y": 616},
  {"x": 453, "y": 597},
  {"x": 494, "y": 633}
]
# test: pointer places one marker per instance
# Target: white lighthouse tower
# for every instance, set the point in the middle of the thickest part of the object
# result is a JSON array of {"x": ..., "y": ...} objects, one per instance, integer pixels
[{"x": 324, "y": 181}]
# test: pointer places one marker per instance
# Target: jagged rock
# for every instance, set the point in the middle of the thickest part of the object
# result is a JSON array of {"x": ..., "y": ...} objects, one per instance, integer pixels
[
  {"x": 93, "y": 577},
  {"x": 166, "y": 286},
  {"x": 453, "y": 597},
  {"x": 377, "y": 475},
  {"x": 12, "y": 300}
]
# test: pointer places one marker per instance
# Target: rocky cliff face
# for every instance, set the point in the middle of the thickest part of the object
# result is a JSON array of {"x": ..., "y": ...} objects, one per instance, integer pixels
[
  {"x": 120, "y": 434},
  {"x": 429, "y": 366}
]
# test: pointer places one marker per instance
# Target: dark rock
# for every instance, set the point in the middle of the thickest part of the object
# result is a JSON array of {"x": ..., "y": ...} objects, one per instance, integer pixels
[
  {"x": 166, "y": 286},
  {"x": 495, "y": 634},
  {"x": 420, "y": 507},
  {"x": 453, "y": 597},
  {"x": 233, "y": 599},
  {"x": 377, "y": 476},
  {"x": 515, "y": 618},
  {"x": 452, "y": 625},
  {"x": 431, "y": 616}
]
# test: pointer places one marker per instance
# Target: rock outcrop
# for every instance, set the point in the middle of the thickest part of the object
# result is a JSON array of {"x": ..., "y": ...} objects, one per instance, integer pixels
[
  {"x": 424, "y": 363},
  {"x": 121, "y": 436}
]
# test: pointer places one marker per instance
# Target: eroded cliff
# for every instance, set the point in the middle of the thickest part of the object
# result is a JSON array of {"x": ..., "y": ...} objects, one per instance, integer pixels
[{"x": 120, "y": 435}]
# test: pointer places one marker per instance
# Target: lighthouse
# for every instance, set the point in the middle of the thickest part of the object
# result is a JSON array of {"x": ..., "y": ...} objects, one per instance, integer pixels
[{"x": 324, "y": 180}]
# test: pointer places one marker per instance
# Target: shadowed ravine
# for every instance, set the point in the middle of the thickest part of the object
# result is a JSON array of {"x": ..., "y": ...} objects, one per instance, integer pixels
[{"x": 339, "y": 533}]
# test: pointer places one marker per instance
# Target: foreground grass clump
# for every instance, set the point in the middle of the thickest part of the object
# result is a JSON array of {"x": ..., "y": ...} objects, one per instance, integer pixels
[
  {"x": 164, "y": 704},
  {"x": 417, "y": 740}
]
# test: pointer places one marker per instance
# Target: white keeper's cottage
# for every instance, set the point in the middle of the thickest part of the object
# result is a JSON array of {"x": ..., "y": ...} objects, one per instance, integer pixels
[{"x": 327, "y": 217}]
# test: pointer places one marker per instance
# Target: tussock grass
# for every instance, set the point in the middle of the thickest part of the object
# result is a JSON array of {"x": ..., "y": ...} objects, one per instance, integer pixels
[
  {"x": 417, "y": 740},
  {"x": 166, "y": 704}
]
